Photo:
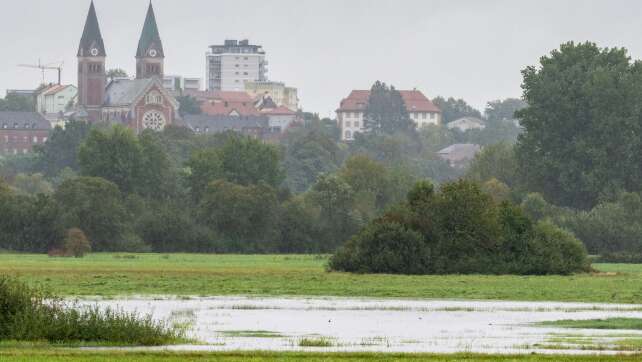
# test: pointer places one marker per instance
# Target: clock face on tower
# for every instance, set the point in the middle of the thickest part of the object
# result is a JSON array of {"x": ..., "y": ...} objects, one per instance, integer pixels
[
  {"x": 154, "y": 120},
  {"x": 94, "y": 51},
  {"x": 153, "y": 53}
]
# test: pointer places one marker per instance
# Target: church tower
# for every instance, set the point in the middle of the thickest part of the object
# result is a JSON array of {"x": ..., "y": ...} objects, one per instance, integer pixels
[
  {"x": 150, "y": 56},
  {"x": 91, "y": 67}
]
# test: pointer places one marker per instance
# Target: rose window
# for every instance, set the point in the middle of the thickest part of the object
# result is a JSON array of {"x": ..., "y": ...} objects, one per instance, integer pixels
[{"x": 154, "y": 120}]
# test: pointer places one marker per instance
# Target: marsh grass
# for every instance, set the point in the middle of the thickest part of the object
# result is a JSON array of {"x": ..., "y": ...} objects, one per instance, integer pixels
[
  {"x": 251, "y": 334},
  {"x": 610, "y": 323},
  {"x": 28, "y": 314},
  {"x": 316, "y": 342}
]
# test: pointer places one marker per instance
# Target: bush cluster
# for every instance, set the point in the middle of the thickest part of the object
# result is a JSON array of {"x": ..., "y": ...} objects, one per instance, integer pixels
[
  {"x": 459, "y": 229},
  {"x": 28, "y": 314},
  {"x": 613, "y": 228}
]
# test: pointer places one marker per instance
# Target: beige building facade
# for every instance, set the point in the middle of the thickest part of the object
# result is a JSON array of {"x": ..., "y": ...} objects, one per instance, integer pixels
[{"x": 281, "y": 94}]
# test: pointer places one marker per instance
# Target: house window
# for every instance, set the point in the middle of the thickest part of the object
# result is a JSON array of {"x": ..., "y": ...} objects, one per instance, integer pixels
[
  {"x": 423, "y": 116},
  {"x": 25, "y": 139},
  {"x": 35, "y": 139},
  {"x": 356, "y": 124},
  {"x": 348, "y": 135},
  {"x": 347, "y": 123},
  {"x": 432, "y": 116}
]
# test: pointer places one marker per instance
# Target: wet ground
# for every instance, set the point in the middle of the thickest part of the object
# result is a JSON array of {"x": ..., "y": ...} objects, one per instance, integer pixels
[{"x": 336, "y": 324}]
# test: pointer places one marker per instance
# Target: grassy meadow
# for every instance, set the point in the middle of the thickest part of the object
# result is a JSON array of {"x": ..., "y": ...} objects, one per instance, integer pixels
[{"x": 301, "y": 275}]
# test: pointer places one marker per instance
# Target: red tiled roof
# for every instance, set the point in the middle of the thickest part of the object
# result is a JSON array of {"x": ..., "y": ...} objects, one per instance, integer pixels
[
  {"x": 53, "y": 89},
  {"x": 225, "y": 108},
  {"x": 280, "y": 111},
  {"x": 414, "y": 99},
  {"x": 229, "y": 96},
  {"x": 223, "y": 103}
]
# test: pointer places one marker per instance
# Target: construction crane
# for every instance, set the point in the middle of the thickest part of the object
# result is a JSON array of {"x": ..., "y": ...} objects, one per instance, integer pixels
[{"x": 44, "y": 67}]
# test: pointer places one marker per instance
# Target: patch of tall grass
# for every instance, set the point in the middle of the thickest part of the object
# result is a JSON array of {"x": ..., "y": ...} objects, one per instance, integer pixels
[
  {"x": 31, "y": 314},
  {"x": 609, "y": 323}
]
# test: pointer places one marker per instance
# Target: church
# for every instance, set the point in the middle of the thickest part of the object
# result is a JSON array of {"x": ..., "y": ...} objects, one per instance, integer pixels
[{"x": 140, "y": 103}]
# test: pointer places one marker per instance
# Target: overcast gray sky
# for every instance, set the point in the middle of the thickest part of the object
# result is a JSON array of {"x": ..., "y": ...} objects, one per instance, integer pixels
[{"x": 472, "y": 49}]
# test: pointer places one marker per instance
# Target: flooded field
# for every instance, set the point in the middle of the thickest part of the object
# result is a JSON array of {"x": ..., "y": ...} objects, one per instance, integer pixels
[{"x": 334, "y": 324}]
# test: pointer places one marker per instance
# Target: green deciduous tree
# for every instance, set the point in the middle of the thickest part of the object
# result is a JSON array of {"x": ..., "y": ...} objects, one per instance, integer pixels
[
  {"x": 453, "y": 109},
  {"x": 61, "y": 149},
  {"x": 338, "y": 218},
  {"x": 495, "y": 162},
  {"x": 32, "y": 184},
  {"x": 135, "y": 164},
  {"x": 310, "y": 151},
  {"x": 241, "y": 213},
  {"x": 503, "y": 110},
  {"x": 95, "y": 206},
  {"x": 17, "y": 103},
  {"x": 188, "y": 105},
  {"x": 116, "y": 73},
  {"x": 240, "y": 159},
  {"x": 583, "y": 132},
  {"x": 114, "y": 155}
]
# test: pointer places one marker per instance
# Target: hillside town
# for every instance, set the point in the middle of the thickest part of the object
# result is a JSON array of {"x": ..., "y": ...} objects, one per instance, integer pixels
[{"x": 235, "y": 95}]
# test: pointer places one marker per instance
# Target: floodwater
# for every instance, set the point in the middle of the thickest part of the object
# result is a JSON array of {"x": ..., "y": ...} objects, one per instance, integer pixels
[{"x": 439, "y": 326}]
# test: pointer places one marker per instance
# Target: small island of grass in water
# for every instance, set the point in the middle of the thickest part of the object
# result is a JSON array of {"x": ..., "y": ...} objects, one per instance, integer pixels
[
  {"x": 609, "y": 323},
  {"x": 30, "y": 315}
]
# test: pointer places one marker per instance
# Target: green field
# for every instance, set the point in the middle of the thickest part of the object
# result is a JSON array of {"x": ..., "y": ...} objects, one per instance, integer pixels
[
  {"x": 74, "y": 356},
  {"x": 297, "y": 275}
]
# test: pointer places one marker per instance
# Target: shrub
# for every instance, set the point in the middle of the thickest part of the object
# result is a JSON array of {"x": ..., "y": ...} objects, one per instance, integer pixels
[
  {"x": 555, "y": 251},
  {"x": 462, "y": 230},
  {"x": 383, "y": 248},
  {"x": 28, "y": 314},
  {"x": 76, "y": 243},
  {"x": 624, "y": 258}
]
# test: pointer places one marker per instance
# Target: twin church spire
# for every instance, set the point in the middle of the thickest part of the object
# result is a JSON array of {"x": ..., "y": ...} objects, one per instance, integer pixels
[{"x": 149, "y": 55}]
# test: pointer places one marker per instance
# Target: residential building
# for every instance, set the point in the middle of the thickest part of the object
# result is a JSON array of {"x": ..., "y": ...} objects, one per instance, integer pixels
[
  {"x": 466, "y": 123},
  {"x": 177, "y": 85},
  {"x": 254, "y": 126},
  {"x": 55, "y": 99},
  {"x": 20, "y": 131},
  {"x": 281, "y": 117},
  {"x": 350, "y": 114},
  {"x": 459, "y": 154},
  {"x": 241, "y": 104},
  {"x": 225, "y": 103},
  {"x": 141, "y": 103},
  {"x": 281, "y": 94},
  {"x": 230, "y": 65}
]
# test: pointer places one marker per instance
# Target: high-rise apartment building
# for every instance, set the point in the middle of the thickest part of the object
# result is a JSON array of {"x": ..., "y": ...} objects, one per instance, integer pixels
[{"x": 230, "y": 65}]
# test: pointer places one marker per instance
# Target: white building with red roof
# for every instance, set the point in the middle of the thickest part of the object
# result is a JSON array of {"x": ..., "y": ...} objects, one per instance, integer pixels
[
  {"x": 54, "y": 99},
  {"x": 350, "y": 114}
]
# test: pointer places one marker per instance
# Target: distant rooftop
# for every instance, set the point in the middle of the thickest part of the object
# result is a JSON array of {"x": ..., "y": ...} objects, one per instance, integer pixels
[{"x": 236, "y": 46}]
